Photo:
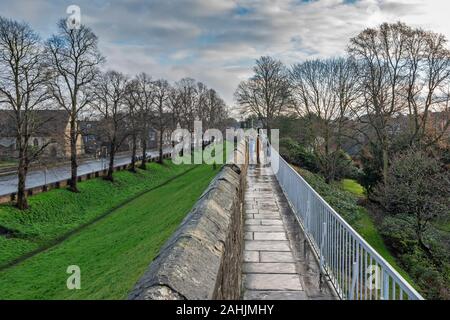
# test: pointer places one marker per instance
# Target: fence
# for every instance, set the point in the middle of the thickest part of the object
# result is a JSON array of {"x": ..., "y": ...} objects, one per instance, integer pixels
[
  {"x": 56, "y": 183},
  {"x": 353, "y": 267}
]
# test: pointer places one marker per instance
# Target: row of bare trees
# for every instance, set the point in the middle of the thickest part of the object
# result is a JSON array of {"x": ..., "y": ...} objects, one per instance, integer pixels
[
  {"x": 130, "y": 107},
  {"x": 64, "y": 73},
  {"x": 392, "y": 81}
]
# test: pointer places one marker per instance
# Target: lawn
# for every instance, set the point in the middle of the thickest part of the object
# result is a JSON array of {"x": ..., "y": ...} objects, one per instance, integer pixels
[
  {"x": 113, "y": 252},
  {"x": 352, "y": 186},
  {"x": 53, "y": 214}
]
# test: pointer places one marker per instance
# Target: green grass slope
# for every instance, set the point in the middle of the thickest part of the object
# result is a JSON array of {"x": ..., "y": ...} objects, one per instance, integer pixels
[
  {"x": 113, "y": 252},
  {"x": 57, "y": 212}
]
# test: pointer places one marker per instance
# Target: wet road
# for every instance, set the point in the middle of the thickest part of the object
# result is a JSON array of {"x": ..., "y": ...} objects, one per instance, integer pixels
[{"x": 8, "y": 184}]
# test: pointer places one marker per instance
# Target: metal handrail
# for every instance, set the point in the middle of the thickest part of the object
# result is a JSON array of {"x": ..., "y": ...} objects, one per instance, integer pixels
[{"x": 354, "y": 268}]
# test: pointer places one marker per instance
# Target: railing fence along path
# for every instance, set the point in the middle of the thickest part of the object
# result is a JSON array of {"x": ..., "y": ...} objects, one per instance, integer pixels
[{"x": 354, "y": 268}]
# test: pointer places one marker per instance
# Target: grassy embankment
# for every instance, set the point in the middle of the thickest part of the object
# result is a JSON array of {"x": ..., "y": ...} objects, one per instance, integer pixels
[
  {"x": 112, "y": 231},
  {"x": 111, "y": 253},
  {"x": 53, "y": 214}
]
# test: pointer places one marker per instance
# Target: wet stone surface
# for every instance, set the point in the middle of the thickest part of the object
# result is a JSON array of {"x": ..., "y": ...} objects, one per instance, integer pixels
[{"x": 275, "y": 264}]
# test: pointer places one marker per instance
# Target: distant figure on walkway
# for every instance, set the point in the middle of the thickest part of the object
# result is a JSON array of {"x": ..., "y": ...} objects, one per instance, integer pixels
[{"x": 252, "y": 150}]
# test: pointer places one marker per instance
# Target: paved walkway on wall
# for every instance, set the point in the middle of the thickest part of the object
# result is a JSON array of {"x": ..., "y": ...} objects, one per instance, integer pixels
[{"x": 278, "y": 265}]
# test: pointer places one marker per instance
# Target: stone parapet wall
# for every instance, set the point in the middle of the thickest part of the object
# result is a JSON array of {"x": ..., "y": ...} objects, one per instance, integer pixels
[{"x": 203, "y": 258}]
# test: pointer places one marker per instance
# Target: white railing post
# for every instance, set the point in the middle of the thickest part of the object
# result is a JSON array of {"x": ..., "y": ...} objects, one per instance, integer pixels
[
  {"x": 322, "y": 243},
  {"x": 355, "y": 271},
  {"x": 385, "y": 285},
  {"x": 308, "y": 214}
]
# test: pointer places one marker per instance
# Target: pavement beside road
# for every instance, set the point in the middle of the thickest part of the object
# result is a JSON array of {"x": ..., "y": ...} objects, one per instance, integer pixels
[{"x": 40, "y": 177}]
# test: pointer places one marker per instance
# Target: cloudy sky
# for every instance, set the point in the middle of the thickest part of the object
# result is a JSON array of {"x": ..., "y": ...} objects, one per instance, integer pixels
[{"x": 217, "y": 41}]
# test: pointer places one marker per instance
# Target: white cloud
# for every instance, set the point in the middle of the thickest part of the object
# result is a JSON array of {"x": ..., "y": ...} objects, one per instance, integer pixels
[{"x": 217, "y": 41}]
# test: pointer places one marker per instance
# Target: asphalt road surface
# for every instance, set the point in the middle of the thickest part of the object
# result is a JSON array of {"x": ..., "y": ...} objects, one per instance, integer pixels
[{"x": 8, "y": 184}]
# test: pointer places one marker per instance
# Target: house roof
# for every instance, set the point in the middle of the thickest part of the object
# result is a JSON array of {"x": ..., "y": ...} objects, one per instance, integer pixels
[{"x": 45, "y": 123}]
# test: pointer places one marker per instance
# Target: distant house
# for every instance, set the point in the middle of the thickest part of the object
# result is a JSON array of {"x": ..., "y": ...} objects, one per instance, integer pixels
[
  {"x": 152, "y": 139},
  {"x": 51, "y": 129},
  {"x": 95, "y": 142},
  {"x": 90, "y": 135}
]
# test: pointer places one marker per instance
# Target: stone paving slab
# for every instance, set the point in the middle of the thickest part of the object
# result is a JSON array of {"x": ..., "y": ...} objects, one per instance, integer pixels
[
  {"x": 264, "y": 222},
  {"x": 269, "y": 245},
  {"x": 276, "y": 282},
  {"x": 274, "y": 295},
  {"x": 276, "y": 257},
  {"x": 248, "y": 236},
  {"x": 259, "y": 228},
  {"x": 251, "y": 256},
  {"x": 269, "y": 236},
  {"x": 269, "y": 222},
  {"x": 279, "y": 268}
]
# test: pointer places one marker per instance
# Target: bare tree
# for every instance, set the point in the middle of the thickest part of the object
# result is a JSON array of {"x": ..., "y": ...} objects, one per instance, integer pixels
[
  {"x": 145, "y": 100},
  {"x": 267, "y": 93},
  {"x": 188, "y": 102},
  {"x": 215, "y": 111},
  {"x": 133, "y": 119},
  {"x": 201, "y": 109},
  {"x": 381, "y": 57},
  {"x": 324, "y": 91},
  {"x": 404, "y": 76},
  {"x": 110, "y": 93},
  {"x": 161, "y": 97},
  {"x": 22, "y": 91},
  {"x": 175, "y": 107},
  {"x": 74, "y": 58},
  {"x": 428, "y": 84}
]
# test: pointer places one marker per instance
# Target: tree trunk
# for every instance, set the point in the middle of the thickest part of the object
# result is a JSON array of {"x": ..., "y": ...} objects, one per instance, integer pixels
[
  {"x": 160, "y": 160},
  {"x": 144, "y": 154},
  {"x": 133, "y": 154},
  {"x": 112, "y": 153},
  {"x": 328, "y": 161},
  {"x": 73, "y": 155},
  {"x": 22, "y": 202},
  {"x": 385, "y": 164},
  {"x": 423, "y": 246}
]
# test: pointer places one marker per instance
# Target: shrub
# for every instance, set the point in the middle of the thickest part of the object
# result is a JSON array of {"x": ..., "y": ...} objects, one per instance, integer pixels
[
  {"x": 298, "y": 155},
  {"x": 345, "y": 203},
  {"x": 398, "y": 233},
  {"x": 371, "y": 173},
  {"x": 416, "y": 186},
  {"x": 435, "y": 284},
  {"x": 345, "y": 167}
]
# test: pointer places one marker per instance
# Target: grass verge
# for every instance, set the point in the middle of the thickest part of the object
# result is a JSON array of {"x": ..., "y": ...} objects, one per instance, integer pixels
[
  {"x": 55, "y": 213},
  {"x": 113, "y": 252},
  {"x": 353, "y": 186}
]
